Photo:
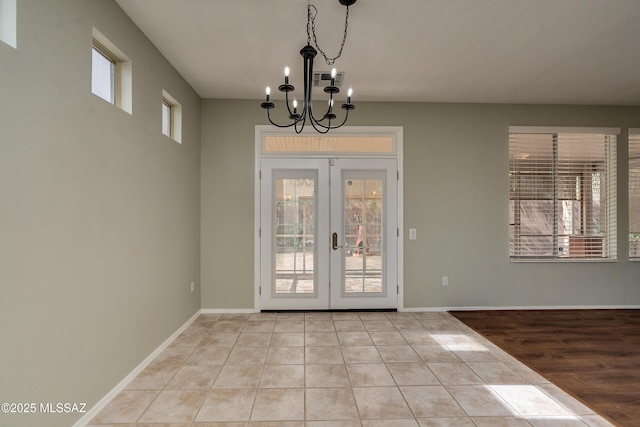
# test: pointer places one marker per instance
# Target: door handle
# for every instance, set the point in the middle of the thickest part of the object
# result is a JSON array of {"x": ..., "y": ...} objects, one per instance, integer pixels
[{"x": 334, "y": 240}]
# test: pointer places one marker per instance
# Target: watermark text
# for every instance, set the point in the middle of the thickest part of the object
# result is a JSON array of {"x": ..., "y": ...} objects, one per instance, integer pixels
[{"x": 43, "y": 408}]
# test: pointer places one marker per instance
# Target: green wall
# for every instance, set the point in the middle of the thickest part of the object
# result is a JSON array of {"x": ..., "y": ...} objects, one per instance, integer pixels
[
  {"x": 99, "y": 212},
  {"x": 455, "y": 195}
]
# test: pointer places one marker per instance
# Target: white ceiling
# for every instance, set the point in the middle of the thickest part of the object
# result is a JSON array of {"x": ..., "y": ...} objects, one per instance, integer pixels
[{"x": 493, "y": 51}]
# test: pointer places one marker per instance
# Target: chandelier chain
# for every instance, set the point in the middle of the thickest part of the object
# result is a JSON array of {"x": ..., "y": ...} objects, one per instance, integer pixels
[{"x": 311, "y": 24}]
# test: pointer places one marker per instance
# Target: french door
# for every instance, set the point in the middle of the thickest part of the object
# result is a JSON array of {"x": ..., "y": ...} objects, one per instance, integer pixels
[{"x": 328, "y": 233}]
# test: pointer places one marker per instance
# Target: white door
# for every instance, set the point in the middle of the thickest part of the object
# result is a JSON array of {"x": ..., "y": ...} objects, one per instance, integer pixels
[
  {"x": 328, "y": 233},
  {"x": 364, "y": 230}
]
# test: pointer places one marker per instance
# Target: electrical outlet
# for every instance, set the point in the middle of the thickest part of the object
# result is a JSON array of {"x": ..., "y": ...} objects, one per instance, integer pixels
[
  {"x": 445, "y": 280},
  {"x": 193, "y": 286}
]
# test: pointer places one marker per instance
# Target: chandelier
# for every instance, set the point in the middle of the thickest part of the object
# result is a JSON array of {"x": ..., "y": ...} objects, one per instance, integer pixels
[{"x": 298, "y": 117}]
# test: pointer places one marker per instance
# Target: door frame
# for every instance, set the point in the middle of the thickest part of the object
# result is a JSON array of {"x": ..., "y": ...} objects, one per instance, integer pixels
[{"x": 395, "y": 132}]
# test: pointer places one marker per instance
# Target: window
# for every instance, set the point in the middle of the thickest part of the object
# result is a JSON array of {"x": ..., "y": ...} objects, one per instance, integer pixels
[
  {"x": 562, "y": 193},
  {"x": 370, "y": 144},
  {"x": 171, "y": 117},
  {"x": 103, "y": 73},
  {"x": 8, "y": 22},
  {"x": 634, "y": 194},
  {"x": 167, "y": 128},
  {"x": 110, "y": 73}
]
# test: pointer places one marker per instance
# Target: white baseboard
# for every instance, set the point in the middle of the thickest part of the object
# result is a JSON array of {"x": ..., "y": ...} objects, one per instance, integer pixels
[
  {"x": 228, "y": 310},
  {"x": 453, "y": 308},
  {"x": 524, "y": 307},
  {"x": 102, "y": 403}
]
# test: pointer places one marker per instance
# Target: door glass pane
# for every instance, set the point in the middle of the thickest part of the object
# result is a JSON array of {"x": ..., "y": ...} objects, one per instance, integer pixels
[
  {"x": 295, "y": 236},
  {"x": 363, "y": 209}
]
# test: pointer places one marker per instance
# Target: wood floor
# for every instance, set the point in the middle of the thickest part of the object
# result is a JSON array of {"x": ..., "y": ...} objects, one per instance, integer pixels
[{"x": 593, "y": 355}]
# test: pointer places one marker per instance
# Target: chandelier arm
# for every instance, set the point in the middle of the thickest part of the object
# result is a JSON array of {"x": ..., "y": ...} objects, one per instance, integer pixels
[
  {"x": 346, "y": 116},
  {"x": 313, "y": 118},
  {"x": 329, "y": 116},
  {"x": 298, "y": 129},
  {"x": 276, "y": 124},
  {"x": 324, "y": 116},
  {"x": 293, "y": 123},
  {"x": 320, "y": 128},
  {"x": 302, "y": 121},
  {"x": 328, "y": 126},
  {"x": 286, "y": 102}
]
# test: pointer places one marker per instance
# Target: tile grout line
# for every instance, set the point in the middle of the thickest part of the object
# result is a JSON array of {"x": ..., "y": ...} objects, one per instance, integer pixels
[
  {"x": 353, "y": 395},
  {"x": 255, "y": 396}
]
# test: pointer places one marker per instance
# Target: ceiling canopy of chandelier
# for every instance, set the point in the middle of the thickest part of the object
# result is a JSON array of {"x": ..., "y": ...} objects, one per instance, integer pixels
[{"x": 299, "y": 116}]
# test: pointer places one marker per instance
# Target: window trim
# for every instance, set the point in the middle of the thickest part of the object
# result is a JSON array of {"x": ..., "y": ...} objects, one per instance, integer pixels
[
  {"x": 611, "y": 171},
  {"x": 636, "y": 145}
]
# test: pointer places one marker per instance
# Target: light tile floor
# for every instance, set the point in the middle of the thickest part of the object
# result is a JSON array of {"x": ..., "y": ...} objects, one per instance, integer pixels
[{"x": 346, "y": 369}]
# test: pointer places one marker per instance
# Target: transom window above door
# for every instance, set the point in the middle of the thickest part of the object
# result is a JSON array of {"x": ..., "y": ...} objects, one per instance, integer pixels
[{"x": 376, "y": 145}]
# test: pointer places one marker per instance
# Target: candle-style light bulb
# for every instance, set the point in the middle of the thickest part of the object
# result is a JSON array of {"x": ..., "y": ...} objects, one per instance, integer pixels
[
  {"x": 333, "y": 76},
  {"x": 268, "y": 92},
  {"x": 349, "y": 93},
  {"x": 286, "y": 75},
  {"x": 295, "y": 105}
]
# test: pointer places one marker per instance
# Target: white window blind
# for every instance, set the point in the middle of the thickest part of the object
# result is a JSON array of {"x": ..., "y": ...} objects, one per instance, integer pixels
[
  {"x": 562, "y": 193},
  {"x": 634, "y": 194}
]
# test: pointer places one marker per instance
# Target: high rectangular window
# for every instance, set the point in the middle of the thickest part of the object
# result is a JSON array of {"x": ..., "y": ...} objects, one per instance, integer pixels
[
  {"x": 111, "y": 73},
  {"x": 634, "y": 194},
  {"x": 171, "y": 117},
  {"x": 103, "y": 73},
  {"x": 562, "y": 193},
  {"x": 8, "y": 22}
]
